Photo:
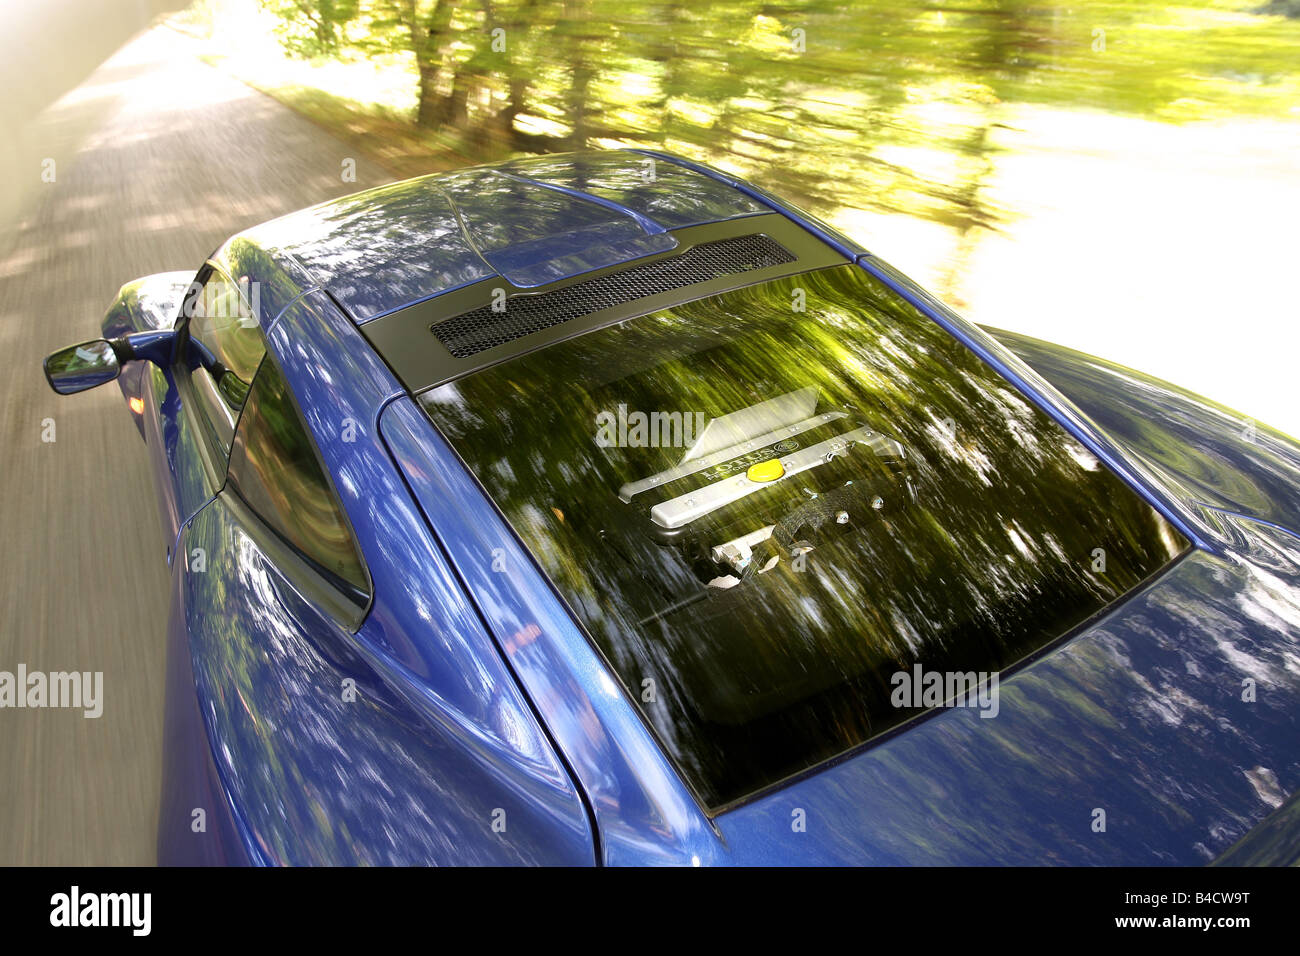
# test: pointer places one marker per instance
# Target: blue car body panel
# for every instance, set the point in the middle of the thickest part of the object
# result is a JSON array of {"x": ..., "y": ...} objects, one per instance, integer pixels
[
  {"x": 479, "y": 698},
  {"x": 1141, "y": 716},
  {"x": 1117, "y": 718},
  {"x": 386, "y": 248},
  {"x": 387, "y": 773},
  {"x": 643, "y": 811},
  {"x": 145, "y": 305},
  {"x": 150, "y": 305},
  {"x": 841, "y": 243},
  {"x": 197, "y": 823},
  {"x": 434, "y": 746},
  {"x": 1208, "y": 455}
]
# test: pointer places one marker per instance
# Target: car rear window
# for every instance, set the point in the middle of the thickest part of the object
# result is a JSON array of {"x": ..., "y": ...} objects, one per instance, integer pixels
[{"x": 765, "y": 506}]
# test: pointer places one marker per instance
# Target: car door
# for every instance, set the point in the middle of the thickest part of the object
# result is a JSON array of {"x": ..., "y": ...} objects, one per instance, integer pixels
[{"x": 270, "y": 587}]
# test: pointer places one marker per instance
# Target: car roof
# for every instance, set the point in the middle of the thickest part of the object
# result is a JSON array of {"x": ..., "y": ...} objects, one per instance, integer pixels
[{"x": 532, "y": 222}]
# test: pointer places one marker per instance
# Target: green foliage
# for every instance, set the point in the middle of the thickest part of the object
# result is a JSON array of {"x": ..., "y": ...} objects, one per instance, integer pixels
[
  {"x": 312, "y": 28},
  {"x": 901, "y": 102}
]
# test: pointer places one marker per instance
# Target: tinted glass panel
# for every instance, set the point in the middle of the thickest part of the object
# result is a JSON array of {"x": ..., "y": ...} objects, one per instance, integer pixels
[
  {"x": 771, "y": 503},
  {"x": 222, "y": 319},
  {"x": 274, "y": 467},
  {"x": 826, "y": 499},
  {"x": 223, "y": 324}
]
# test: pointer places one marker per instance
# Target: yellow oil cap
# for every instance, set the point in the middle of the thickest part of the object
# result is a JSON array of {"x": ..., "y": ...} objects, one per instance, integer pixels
[{"x": 765, "y": 471}]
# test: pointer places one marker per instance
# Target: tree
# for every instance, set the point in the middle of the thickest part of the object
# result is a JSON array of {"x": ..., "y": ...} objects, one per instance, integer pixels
[
  {"x": 897, "y": 106},
  {"x": 312, "y": 28}
]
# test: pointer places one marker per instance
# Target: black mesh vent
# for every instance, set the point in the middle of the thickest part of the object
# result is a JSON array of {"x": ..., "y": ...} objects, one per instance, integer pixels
[{"x": 472, "y": 332}]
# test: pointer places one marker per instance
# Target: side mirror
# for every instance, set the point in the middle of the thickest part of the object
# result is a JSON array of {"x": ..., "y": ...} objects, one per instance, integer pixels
[
  {"x": 84, "y": 366},
  {"x": 79, "y": 367}
]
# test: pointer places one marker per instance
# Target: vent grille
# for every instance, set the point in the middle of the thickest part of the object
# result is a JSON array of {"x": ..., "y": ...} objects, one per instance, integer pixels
[{"x": 472, "y": 332}]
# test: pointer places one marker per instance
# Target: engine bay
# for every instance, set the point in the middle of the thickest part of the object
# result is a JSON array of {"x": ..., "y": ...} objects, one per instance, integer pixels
[{"x": 768, "y": 483}]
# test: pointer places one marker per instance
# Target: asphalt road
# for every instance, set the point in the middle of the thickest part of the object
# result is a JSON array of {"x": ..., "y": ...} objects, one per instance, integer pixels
[{"x": 157, "y": 159}]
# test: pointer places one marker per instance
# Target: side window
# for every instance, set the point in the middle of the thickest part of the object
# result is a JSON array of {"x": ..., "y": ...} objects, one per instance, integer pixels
[
  {"x": 275, "y": 469},
  {"x": 224, "y": 327}
]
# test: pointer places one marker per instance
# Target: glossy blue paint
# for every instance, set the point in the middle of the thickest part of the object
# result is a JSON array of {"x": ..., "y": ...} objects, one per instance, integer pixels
[
  {"x": 395, "y": 774},
  {"x": 1122, "y": 716},
  {"x": 643, "y": 811},
  {"x": 477, "y": 692},
  {"x": 147, "y": 305},
  {"x": 849, "y": 248},
  {"x": 1275, "y": 842},
  {"x": 673, "y": 196},
  {"x": 146, "y": 311},
  {"x": 993, "y": 791},
  {"x": 1141, "y": 716},
  {"x": 156, "y": 347},
  {"x": 438, "y": 740},
  {"x": 386, "y": 248},
  {"x": 190, "y": 781},
  {"x": 1205, "y": 454},
  {"x": 648, "y": 225}
]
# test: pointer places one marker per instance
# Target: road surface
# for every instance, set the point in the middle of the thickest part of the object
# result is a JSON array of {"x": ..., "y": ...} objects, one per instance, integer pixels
[{"x": 157, "y": 159}]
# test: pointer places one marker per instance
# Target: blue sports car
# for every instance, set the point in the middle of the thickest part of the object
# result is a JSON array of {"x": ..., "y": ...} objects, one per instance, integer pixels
[{"x": 606, "y": 509}]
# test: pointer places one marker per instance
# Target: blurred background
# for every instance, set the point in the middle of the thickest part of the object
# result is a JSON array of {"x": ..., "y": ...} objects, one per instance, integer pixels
[{"x": 1119, "y": 177}]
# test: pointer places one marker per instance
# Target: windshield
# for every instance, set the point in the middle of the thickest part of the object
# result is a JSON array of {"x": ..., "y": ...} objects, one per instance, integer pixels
[{"x": 767, "y": 505}]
